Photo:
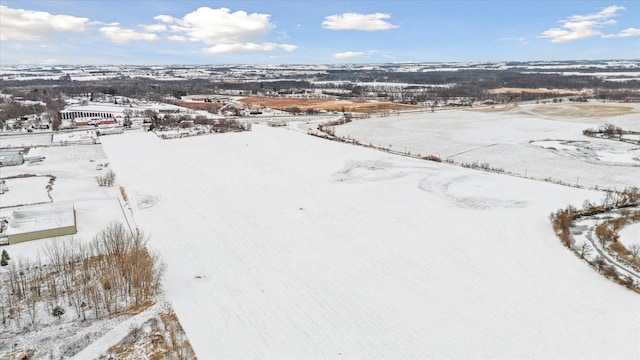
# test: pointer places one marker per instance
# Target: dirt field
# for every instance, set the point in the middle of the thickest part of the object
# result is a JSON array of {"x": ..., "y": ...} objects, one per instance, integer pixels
[{"x": 327, "y": 104}]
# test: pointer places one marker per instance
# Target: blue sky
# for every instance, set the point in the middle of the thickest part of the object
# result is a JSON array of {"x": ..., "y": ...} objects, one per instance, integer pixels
[{"x": 314, "y": 32}]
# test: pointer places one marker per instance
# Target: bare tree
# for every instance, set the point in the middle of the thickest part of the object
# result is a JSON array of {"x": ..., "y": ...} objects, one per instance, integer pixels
[
  {"x": 584, "y": 249},
  {"x": 634, "y": 250}
]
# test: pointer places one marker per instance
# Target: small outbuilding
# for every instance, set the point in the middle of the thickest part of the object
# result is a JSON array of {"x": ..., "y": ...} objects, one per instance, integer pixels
[{"x": 277, "y": 122}]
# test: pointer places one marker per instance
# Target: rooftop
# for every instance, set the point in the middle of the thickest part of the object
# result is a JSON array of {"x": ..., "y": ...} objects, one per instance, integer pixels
[{"x": 38, "y": 218}]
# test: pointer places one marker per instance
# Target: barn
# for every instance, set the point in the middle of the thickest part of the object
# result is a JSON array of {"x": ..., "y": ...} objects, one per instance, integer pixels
[
  {"x": 40, "y": 222},
  {"x": 9, "y": 157}
]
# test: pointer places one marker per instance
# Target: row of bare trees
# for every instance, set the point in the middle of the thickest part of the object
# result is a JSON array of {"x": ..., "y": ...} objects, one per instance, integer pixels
[
  {"x": 108, "y": 275},
  {"x": 607, "y": 232},
  {"x": 562, "y": 219},
  {"x": 610, "y": 131}
]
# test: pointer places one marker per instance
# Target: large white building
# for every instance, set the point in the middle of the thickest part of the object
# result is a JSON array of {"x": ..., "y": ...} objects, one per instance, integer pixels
[{"x": 118, "y": 111}]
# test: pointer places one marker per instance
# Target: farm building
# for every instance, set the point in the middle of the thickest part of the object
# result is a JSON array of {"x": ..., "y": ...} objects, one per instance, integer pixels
[
  {"x": 277, "y": 122},
  {"x": 9, "y": 157},
  {"x": 40, "y": 222}
]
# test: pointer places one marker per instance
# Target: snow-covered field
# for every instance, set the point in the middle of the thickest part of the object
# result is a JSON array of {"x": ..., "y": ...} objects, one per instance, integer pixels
[
  {"x": 25, "y": 139},
  {"x": 502, "y": 138},
  {"x": 283, "y": 245},
  {"x": 25, "y": 191},
  {"x": 605, "y": 152}
]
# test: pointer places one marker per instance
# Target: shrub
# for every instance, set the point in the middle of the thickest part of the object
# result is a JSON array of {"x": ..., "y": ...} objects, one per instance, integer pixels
[
  {"x": 58, "y": 311},
  {"x": 107, "y": 179},
  {"x": 610, "y": 130},
  {"x": 620, "y": 249},
  {"x": 608, "y": 271},
  {"x": 432, "y": 158},
  {"x": 628, "y": 282},
  {"x": 606, "y": 234},
  {"x": 5, "y": 258}
]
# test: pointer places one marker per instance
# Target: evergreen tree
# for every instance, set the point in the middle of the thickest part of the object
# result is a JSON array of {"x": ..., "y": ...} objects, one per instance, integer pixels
[{"x": 5, "y": 258}]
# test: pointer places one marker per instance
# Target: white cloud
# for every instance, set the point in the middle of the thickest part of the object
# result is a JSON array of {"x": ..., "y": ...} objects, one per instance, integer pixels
[
  {"x": 177, "y": 38},
  {"x": 123, "y": 36},
  {"x": 629, "y": 32},
  {"x": 154, "y": 28},
  {"x": 282, "y": 35},
  {"x": 226, "y": 31},
  {"x": 354, "y": 21},
  {"x": 20, "y": 24},
  {"x": 578, "y": 27},
  {"x": 572, "y": 31},
  {"x": 164, "y": 18},
  {"x": 605, "y": 13},
  {"x": 248, "y": 47},
  {"x": 519, "y": 39},
  {"x": 288, "y": 47},
  {"x": 348, "y": 55}
]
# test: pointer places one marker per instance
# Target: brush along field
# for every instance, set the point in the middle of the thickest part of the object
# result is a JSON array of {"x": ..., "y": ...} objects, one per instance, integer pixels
[{"x": 283, "y": 245}]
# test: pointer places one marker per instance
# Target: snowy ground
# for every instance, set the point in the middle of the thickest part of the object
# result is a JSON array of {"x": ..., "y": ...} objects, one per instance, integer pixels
[
  {"x": 85, "y": 137},
  {"x": 605, "y": 152},
  {"x": 630, "y": 235},
  {"x": 501, "y": 138},
  {"x": 26, "y": 139},
  {"x": 283, "y": 245},
  {"x": 25, "y": 191}
]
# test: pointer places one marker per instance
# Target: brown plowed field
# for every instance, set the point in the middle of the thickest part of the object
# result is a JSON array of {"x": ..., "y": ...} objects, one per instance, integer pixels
[{"x": 327, "y": 104}]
